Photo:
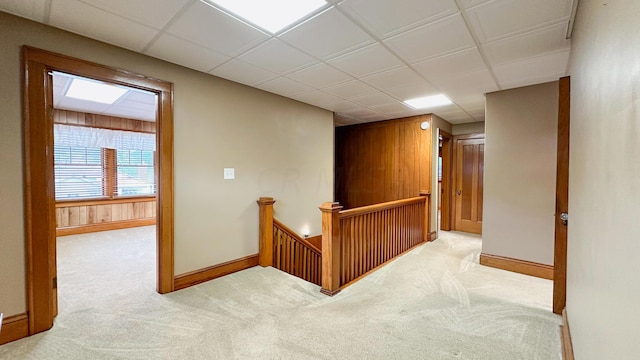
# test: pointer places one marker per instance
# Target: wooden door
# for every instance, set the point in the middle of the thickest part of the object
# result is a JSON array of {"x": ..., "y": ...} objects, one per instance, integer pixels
[
  {"x": 562, "y": 198},
  {"x": 469, "y": 170}
]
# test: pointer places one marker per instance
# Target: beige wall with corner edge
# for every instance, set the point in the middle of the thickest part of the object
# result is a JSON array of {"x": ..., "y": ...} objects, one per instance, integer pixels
[
  {"x": 520, "y": 173},
  {"x": 437, "y": 124},
  {"x": 279, "y": 147},
  {"x": 603, "y": 255}
]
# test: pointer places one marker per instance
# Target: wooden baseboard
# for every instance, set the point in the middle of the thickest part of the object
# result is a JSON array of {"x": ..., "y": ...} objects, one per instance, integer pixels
[
  {"x": 14, "y": 328},
  {"x": 199, "y": 276},
  {"x": 565, "y": 334},
  {"x": 432, "y": 236},
  {"x": 112, "y": 225},
  {"x": 519, "y": 266}
]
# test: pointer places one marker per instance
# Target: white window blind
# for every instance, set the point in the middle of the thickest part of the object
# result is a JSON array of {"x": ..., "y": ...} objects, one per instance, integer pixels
[
  {"x": 80, "y": 136},
  {"x": 97, "y": 163}
]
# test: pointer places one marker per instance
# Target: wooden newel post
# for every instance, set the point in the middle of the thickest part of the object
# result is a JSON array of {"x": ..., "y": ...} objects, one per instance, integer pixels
[
  {"x": 427, "y": 215},
  {"x": 265, "y": 256},
  {"x": 330, "y": 248}
]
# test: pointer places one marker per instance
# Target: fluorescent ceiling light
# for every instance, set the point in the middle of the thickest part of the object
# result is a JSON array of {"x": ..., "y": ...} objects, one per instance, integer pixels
[
  {"x": 428, "y": 101},
  {"x": 271, "y": 15},
  {"x": 95, "y": 91}
]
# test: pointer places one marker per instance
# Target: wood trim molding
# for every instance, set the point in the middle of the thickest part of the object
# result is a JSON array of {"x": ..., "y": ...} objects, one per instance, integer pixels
[
  {"x": 432, "y": 236},
  {"x": 562, "y": 196},
  {"x": 112, "y": 225},
  {"x": 90, "y": 202},
  {"x": 14, "y": 328},
  {"x": 565, "y": 336},
  {"x": 520, "y": 266},
  {"x": 40, "y": 221},
  {"x": 212, "y": 272}
]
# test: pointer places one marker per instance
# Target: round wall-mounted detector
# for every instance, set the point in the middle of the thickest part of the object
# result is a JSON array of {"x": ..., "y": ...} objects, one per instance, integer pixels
[{"x": 425, "y": 125}]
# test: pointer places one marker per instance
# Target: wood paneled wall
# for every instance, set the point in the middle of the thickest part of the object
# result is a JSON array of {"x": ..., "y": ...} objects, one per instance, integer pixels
[
  {"x": 99, "y": 215},
  {"x": 382, "y": 161},
  {"x": 102, "y": 121}
]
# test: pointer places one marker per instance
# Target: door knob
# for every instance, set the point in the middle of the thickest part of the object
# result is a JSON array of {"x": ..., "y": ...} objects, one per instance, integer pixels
[
  {"x": 459, "y": 192},
  {"x": 564, "y": 217}
]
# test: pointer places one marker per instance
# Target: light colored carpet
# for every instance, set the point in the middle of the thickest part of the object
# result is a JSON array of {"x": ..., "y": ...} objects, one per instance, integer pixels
[{"x": 435, "y": 302}]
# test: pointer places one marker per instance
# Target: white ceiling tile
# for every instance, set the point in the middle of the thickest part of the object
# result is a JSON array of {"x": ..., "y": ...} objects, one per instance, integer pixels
[
  {"x": 375, "y": 99},
  {"x": 128, "y": 104},
  {"x": 238, "y": 71},
  {"x": 133, "y": 114},
  {"x": 466, "y": 4},
  {"x": 319, "y": 98},
  {"x": 215, "y": 30},
  {"x": 455, "y": 117},
  {"x": 362, "y": 62},
  {"x": 412, "y": 91},
  {"x": 498, "y": 18},
  {"x": 345, "y": 106},
  {"x": 87, "y": 20},
  {"x": 155, "y": 13},
  {"x": 327, "y": 34},
  {"x": 391, "y": 108},
  {"x": 182, "y": 52},
  {"x": 362, "y": 113},
  {"x": 386, "y": 18},
  {"x": 68, "y": 103},
  {"x": 143, "y": 97},
  {"x": 431, "y": 40},
  {"x": 476, "y": 83},
  {"x": 30, "y": 9},
  {"x": 320, "y": 76},
  {"x": 532, "y": 71},
  {"x": 350, "y": 90},
  {"x": 285, "y": 87},
  {"x": 276, "y": 56},
  {"x": 465, "y": 61},
  {"x": 394, "y": 78},
  {"x": 547, "y": 40}
]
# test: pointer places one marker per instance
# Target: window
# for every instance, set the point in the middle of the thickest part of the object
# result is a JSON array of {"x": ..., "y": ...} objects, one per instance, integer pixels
[
  {"x": 83, "y": 173},
  {"x": 78, "y": 172},
  {"x": 135, "y": 172}
]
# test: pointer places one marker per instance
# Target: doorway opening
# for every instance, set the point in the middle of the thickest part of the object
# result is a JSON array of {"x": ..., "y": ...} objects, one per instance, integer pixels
[
  {"x": 40, "y": 203},
  {"x": 105, "y": 181},
  {"x": 444, "y": 180}
]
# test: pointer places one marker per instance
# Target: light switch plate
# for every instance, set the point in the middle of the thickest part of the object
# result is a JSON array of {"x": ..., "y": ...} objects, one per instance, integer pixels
[{"x": 229, "y": 173}]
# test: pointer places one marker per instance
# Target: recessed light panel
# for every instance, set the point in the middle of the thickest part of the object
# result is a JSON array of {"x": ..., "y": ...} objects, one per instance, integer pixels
[
  {"x": 428, "y": 101},
  {"x": 95, "y": 91},
  {"x": 271, "y": 15}
]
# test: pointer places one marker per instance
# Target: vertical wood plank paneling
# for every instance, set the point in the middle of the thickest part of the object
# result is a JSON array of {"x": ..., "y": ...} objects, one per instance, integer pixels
[
  {"x": 382, "y": 161},
  {"x": 79, "y": 214}
]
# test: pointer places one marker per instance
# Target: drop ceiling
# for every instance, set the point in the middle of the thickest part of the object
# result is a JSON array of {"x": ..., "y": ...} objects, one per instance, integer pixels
[{"x": 358, "y": 58}]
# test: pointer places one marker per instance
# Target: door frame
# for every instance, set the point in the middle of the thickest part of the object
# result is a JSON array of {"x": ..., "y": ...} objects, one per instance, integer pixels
[
  {"x": 562, "y": 196},
  {"x": 454, "y": 170},
  {"x": 445, "y": 197},
  {"x": 40, "y": 224}
]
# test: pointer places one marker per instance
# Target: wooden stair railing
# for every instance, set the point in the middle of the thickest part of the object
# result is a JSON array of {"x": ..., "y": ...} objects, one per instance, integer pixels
[
  {"x": 354, "y": 242},
  {"x": 357, "y": 241},
  {"x": 285, "y": 250}
]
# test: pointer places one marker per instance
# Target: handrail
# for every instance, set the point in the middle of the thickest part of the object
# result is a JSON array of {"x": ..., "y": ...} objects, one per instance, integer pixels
[
  {"x": 298, "y": 238},
  {"x": 378, "y": 207}
]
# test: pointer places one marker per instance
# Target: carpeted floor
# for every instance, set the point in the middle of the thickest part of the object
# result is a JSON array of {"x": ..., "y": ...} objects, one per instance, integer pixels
[{"x": 435, "y": 302}]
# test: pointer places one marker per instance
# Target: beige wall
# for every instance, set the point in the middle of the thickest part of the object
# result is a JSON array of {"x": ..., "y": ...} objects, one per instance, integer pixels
[
  {"x": 468, "y": 128},
  {"x": 603, "y": 288},
  {"x": 437, "y": 124},
  {"x": 279, "y": 147},
  {"x": 520, "y": 173}
]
